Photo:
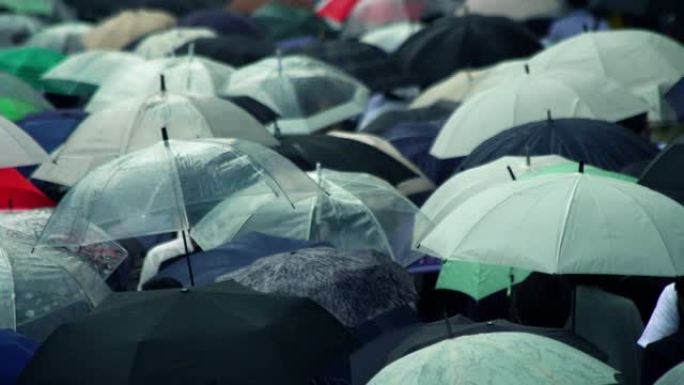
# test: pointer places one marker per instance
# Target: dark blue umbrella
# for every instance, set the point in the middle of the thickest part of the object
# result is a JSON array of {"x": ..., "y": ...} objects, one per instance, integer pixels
[
  {"x": 52, "y": 128},
  {"x": 601, "y": 144},
  {"x": 664, "y": 174},
  {"x": 675, "y": 97},
  {"x": 223, "y": 23},
  {"x": 209, "y": 265},
  {"x": 15, "y": 353}
]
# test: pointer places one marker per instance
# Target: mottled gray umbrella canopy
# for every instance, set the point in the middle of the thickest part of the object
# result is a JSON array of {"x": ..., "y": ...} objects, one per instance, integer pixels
[{"x": 355, "y": 286}]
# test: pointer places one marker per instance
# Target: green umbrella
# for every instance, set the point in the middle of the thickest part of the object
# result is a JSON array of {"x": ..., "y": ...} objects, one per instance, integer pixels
[
  {"x": 18, "y": 99},
  {"x": 29, "y": 63},
  {"x": 285, "y": 22},
  {"x": 569, "y": 168},
  {"x": 478, "y": 280},
  {"x": 37, "y": 7},
  {"x": 14, "y": 109}
]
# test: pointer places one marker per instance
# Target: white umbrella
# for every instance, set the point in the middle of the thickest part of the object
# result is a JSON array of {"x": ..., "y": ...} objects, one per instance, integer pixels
[
  {"x": 389, "y": 38},
  {"x": 674, "y": 377},
  {"x": 566, "y": 224},
  {"x": 533, "y": 97},
  {"x": 17, "y": 148},
  {"x": 644, "y": 62},
  {"x": 192, "y": 75},
  {"x": 163, "y": 44},
  {"x": 515, "y": 9},
  {"x": 135, "y": 124},
  {"x": 92, "y": 67},
  {"x": 307, "y": 94},
  {"x": 64, "y": 38}
]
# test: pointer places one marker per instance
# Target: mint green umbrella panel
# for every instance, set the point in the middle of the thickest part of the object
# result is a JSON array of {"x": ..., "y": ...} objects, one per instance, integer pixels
[
  {"x": 478, "y": 280},
  {"x": 570, "y": 167}
]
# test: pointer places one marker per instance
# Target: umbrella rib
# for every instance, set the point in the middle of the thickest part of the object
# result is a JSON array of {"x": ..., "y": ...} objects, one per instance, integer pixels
[{"x": 564, "y": 223}]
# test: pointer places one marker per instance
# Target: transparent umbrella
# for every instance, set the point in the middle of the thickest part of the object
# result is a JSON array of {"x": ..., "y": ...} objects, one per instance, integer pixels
[{"x": 369, "y": 15}]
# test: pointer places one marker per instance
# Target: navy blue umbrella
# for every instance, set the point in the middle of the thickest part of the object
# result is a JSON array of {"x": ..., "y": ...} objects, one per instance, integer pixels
[
  {"x": 211, "y": 264},
  {"x": 664, "y": 174},
  {"x": 675, "y": 97},
  {"x": 601, "y": 144},
  {"x": 15, "y": 353},
  {"x": 52, "y": 128},
  {"x": 223, "y": 23}
]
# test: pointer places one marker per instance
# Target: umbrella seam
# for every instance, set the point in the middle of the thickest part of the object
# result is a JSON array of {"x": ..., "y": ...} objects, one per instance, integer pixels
[{"x": 566, "y": 217}]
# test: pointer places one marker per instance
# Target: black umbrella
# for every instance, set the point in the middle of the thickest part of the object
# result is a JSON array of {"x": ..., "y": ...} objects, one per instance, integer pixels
[
  {"x": 666, "y": 173},
  {"x": 95, "y": 10},
  {"x": 234, "y": 50},
  {"x": 180, "y": 7},
  {"x": 371, "y": 358},
  {"x": 344, "y": 155},
  {"x": 601, "y": 144},
  {"x": 456, "y": 43},
  {"x": 368, "y": 63},
  {"x": 223, "y": 334},
  {"x": 437, "y": 112}
]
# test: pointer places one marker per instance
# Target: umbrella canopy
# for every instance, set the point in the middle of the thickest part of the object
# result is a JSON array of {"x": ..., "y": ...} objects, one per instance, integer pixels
[
  {"x": 595, "y": 142},
  {"x": 434, "y": 113},
  {"x": 83, "y": 73},
  {"x": 664, "y": 173},
  {"x": 170, "y": 186},
  {"x": 15, "y": 352},
  {"x": 238, "y": 337},
  {"x": 17, "y": 148},
  {"x": 51, "y": 129},
  {"x": 571, "y": 167},
  {"x": 496, "y": 359},
  {"x": 291, "y": 86},
  {"x": 29, "y": 63},
  {"x": 18, "y": 99},
  {"x": 189, "y": 74},
  {"x": 165, "y": 43},
  {"x": 478, "y": 280},
  {"x": 232, "y": 50},
  {"x": 643, "y": 62},
  {"x": 354, "y": 286},
  {"x": 121, "y": 29},
  {"x": 532, "y": 98},
  {"x": 365, "y": 62},
  {"x": 133, "y": 125},
  {"x": 283, "y": 22},
  {"x": 454, "y": 43},
  {"x": 369, "y": 15},
  {"x": 391, "y": 37},
  {"x": 673, "y": 377},
  {"x": 43, "y": 288},
  {"x": 15, "y": 30},
  {"x": 516, "y": 9},
  {"x": 675, "y": 98},
  {"x": 17, "y": 193},
  {"x": 353, "y": 211},
  {"x": 223, "y": 22},
  {"x": 63, "y": 38},
  {"x": 549, "y": 226},
  {"x": 336, "y": 10},
  {"x": 179, "y": 7}
]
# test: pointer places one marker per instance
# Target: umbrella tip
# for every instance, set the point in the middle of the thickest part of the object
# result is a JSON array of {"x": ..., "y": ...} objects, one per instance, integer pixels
[
  {"x": 511, "y": 173},
  {"x": 527, "y": 68},
  {"x": 549, "y": 117},
  {"x": 165, "y": 134},
  {"x": 581, "y": 167},
  {"x": 162, "y": 83}
]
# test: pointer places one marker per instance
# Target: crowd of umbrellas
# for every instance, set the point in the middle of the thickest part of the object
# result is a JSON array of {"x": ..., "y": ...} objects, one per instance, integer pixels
[{"x": 337, "y": 192}]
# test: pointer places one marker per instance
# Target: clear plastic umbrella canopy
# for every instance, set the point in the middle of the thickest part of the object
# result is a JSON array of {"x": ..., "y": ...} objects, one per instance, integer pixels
[
  {"x": 352, "y": 211},
  {"x": 170, "y": 186},
  {"x": 369, "y": 15},
  {"x": 184, "y": 75},
  {"x": 43, "y": 288},
  {"x": 163, "y": 44},
  {"x": 64, "y": 38},
  {"x": 17, "y": 148},
  {"x": 307, "y": 94},
  {"x": 135, "y": 124},
  {"x": 497, "y": 359}
]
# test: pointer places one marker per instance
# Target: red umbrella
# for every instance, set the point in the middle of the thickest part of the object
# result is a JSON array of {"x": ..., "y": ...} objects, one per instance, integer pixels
[
  {"x": 17, "y": 193},
  {"x": 337, "y": 10}
]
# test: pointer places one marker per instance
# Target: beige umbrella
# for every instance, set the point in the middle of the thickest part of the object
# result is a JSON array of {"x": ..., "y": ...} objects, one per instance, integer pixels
[{"x": 126, "y": 27}]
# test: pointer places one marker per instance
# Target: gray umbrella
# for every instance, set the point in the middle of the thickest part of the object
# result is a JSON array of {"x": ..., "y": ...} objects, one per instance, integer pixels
[{"x": 355, "y": 286}]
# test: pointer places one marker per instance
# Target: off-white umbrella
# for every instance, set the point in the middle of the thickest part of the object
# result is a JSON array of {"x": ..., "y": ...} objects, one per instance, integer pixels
[
  {"x": 515, "y": 9},
  {"x": 17, "y": 148},
  {"x": 163, "y": 44},
  {"x": 389, "y": 38}
]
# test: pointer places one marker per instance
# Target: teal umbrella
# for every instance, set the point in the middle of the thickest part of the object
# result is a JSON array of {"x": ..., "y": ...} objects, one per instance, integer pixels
[
  {"x": 284, "y": 22},
  {"x": 569, "y": 168},
  {"x": 478, "y": 280},
  {"x": 29, "y": 63}
]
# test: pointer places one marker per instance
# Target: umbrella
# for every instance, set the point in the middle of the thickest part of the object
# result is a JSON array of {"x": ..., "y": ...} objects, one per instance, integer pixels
[
  {"x": 643, "y": 62},
  {"x": 664, "y": 173},
  {"x": 209, "y": 265},
  {"x": 598, "y": 143},
  {"x": 135, "y": 124},
  {"x": 516, "y": 9},
  {"x": 51, "y": 129},
  {"x": 17, "y": 193},
  {"x": 232, "y": 50},
  {"x": 180, "y": 8},
  {"x": 571, "y": 167},
  {"x": 29, "y": 63},
  {"x": 170, "y": 186},
  {"x": 547, "y": 224},
  {"x": 353, "y": 211},
  {"x": 354, "y": 286},
  {"x": 283, "y": 22},
  {"x": 291, "y": 86},
  {"x": 365, "y": 62},
  {"x": 343, "y": 154},
  {"x": 531, "y": 98},
  {"x": 673, "y": 377},
  {"x": 223, "y": 22},
  {"x": 121, "y": 29},
  {"x": 17, "y": 148},
  {"x": 434, "y": 113},
  {"x": 17, "y": 29},
  {"x": 675, "y": 98},
  {"x": 189, "y": 74},
  {"x": 82, "y": 73},
  {"x": 15, "y": 353},
  {"x": 43, "y": 288},
  {"x": 369, "y": 15},
  {"x": 391, "y": 37},
  {"x": 224, "y": 334},
  {"x": 97, "y": 10},
  {"x": 391, "y": 346},
  {"x": 478, "y": 280},
  {"x": 573, "y": 24},
  {"x": 454, "y": 43},
  {"x": 18, "y": 99},
  {"x": 164, "y": 43},
  {"x": 45, "y": 8},
  {"x": 63, "y": 38},
  {"x": 496, "y": 359},
  {"x": 336, "y": 10}
]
